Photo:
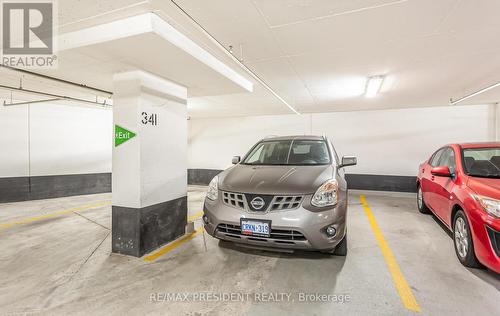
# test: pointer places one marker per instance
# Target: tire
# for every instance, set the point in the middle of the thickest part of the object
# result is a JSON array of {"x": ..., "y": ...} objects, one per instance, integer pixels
[
  {"x": 462, "y": 240},
  {"x": 341, "y": 249},
  {"x": 422, "y": 207}
]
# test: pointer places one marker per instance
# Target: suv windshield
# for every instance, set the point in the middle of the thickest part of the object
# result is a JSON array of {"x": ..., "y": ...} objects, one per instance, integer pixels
[
  {"x": 289, "y": 152},
  {"x": 482, "y": 162}
]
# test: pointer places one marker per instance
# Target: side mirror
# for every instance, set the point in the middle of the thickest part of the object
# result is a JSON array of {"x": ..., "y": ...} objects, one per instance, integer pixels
[
  {"x": 442, "y": 171},
  {"x": 236, "y": 160},
  {"x": 348, "y": 161}
]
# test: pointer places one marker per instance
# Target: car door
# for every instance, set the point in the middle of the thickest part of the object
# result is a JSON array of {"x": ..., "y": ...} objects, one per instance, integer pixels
[
  {"x": 444, "y": 185},
  {"x": 429, "y": 186}
]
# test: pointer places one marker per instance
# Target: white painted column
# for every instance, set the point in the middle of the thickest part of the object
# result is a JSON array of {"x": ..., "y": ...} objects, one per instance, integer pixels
[
  {"x": 496, "y": 124},
  {"x": 149, "y": 162}
]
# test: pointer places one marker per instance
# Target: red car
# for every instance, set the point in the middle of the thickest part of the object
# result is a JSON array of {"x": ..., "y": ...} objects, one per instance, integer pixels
[{"x": 460, "y": 184}]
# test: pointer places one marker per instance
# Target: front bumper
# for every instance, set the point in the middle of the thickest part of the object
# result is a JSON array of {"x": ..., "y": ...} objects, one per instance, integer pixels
[
  {"x": 290, "y": 229},
  {"x": 486, "y": 237}
]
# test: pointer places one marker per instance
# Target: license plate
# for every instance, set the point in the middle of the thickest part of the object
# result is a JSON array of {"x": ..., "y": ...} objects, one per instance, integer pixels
[{"x": 255, "y": 227}]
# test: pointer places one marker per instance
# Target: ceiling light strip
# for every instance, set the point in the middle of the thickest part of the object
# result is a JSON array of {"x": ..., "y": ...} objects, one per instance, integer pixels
[
  {"x": 373, "y": 86},
  {"x": 453, "y": 102},
  {"x": 239, "y": 63}
]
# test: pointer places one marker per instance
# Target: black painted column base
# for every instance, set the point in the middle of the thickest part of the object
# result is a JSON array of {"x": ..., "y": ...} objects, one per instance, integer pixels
[{"x": 136, "y": 231}]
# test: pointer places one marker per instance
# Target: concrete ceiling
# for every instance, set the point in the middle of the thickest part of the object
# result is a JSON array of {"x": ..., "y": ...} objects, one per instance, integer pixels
[{"x": 317, "y": 54}]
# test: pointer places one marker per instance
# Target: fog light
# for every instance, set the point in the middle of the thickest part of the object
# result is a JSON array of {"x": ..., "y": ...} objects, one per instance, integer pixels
[
  {"x": 331, "y": 231},
  {"x": 205, "y": 219}
]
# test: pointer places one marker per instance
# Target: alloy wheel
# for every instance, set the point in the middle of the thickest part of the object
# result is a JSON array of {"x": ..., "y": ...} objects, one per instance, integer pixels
[
  {"x": 420, "y": 199},
  {"x": 461, "y": 237}
]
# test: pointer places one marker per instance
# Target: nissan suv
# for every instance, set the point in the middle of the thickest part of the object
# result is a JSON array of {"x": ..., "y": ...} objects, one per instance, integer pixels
[{"x": 287, "y": 192}]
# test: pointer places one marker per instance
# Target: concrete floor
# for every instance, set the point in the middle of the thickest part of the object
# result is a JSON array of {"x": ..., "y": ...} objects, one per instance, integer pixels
[{"x": 61, "y": 264}]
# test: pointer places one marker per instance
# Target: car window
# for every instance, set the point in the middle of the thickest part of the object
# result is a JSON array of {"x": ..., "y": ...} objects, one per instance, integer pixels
[
  {"x": 288, "y": 152},
  {"x": 269, "y": 153},
  {"x": 447, "y": 159},
  {"x": 482, "y": 162},
  {"x": 435, "y": 158},
  {"x": 306, "y": 152},
  {"x": 256, "y": 155}
]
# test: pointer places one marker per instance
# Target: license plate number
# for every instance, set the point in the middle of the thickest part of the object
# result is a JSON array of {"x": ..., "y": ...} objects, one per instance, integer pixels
[{"x": 257, "y": 228}]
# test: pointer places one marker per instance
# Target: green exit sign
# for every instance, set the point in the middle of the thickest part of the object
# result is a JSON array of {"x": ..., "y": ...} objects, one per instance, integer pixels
[{"x": 122, "y": 135}]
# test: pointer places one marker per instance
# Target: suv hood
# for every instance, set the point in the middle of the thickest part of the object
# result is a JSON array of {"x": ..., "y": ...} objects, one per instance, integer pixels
[
  {"x": 275, "y": 179},
  {"x": 485, "y": 186}
]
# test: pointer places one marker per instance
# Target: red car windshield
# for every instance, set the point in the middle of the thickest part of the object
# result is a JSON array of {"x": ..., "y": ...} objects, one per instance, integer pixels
[{"x": 482, "y": 162}]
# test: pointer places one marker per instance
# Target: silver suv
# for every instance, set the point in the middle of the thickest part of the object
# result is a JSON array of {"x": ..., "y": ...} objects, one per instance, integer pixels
[{"x": 287, "y": 192}]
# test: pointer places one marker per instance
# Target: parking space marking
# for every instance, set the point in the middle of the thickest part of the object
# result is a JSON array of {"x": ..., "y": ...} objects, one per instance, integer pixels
[
  {"x": 55, "y": 214},
  {"x": 176, "y": 243},
  {"x": 172, "y": 246},
  {"x": 404, "y": 290},
  {"x": 196, "y": 216}
]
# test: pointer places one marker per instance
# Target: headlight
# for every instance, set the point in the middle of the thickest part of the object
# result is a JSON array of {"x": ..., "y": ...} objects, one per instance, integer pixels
[
  {"x": 213, "y": 189},
  {"x": 491, "y": 206},
  {"x": 326, "y": 195}
]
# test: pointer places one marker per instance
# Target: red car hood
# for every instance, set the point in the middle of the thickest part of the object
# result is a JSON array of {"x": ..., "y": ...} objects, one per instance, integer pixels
[{"x": 485, "y": 186}]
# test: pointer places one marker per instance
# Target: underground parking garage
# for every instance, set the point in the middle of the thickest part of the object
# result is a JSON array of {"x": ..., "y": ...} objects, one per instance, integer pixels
[{"x": 250, "y": 157}]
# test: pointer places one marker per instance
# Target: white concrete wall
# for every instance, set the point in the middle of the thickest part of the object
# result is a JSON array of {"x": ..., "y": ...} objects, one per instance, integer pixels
[
  {"x": 61, "y": 139},
  {"x": 73, "y": 140},
  {"x": 388, "y": 142}
]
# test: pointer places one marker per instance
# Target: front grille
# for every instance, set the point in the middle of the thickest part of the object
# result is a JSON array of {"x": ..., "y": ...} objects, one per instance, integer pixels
[
  {"x": 264, "y": 199},
  {"x": 282, "y": 235},
  {"x": 495, "y": 239},
  {"x": 233, "y": 199},
  {"x": 286, "y": 202},
  {"x": 271, "y": 203}
]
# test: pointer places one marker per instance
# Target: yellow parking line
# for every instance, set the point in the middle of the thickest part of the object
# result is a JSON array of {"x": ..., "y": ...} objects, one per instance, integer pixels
[
  {"x": 176, "y": 243},
  {"x": 55, "y": 214},
  {"x": 404, "y": 290},
  {"x": 172, "y": 246},
  {"x": 194, "y": 217}
]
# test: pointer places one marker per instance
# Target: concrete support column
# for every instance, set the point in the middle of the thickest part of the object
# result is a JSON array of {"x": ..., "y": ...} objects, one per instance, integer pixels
[
  {"x": 496, "y": 125},
  {"x": 149, "y": 162}
]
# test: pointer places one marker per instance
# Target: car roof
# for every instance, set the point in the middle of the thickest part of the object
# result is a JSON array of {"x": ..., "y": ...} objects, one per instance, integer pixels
[
  {"x": 479, "y": 145},
  {"x": 294, "y": 137}
]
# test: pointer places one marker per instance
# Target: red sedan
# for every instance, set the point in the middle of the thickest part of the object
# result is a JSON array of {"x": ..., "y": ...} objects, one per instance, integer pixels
[{"x": 460, "y": 184}]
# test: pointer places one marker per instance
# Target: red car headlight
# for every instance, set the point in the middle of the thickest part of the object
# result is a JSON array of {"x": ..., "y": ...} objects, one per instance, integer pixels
[{"x": 491, "y": 206}]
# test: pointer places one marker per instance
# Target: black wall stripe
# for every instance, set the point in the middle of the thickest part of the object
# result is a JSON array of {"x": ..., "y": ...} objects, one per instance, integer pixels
[
  {"x": 201, "y": 176},
  {"x": 354, "y": 181},
  {"x": 381, "y": 182},
  {"x": 45, "y": 187},
  {"x": 17, "y": 189}
]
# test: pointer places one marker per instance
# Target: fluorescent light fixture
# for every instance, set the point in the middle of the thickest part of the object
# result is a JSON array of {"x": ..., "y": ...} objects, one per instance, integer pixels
[
  {"x": 453, "y": 102},
  {"x": 343, "y": 88},
  {"x": 373, "y": 86},
  {"x": 388, "y": 84}
]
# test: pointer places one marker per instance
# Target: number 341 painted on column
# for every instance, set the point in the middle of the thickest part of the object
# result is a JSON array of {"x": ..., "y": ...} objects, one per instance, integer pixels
[{"x": 149, "y": 119}]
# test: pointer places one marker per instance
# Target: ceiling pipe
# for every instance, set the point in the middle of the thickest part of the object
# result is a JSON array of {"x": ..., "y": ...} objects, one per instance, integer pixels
[
  {"x": 230, "y": 55},
  {"x": 30, "y": 102},
  {"x": 52, "y": 95},
  {"x": 109, "y": 93},
  {"x": 453, "y": 102}
]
